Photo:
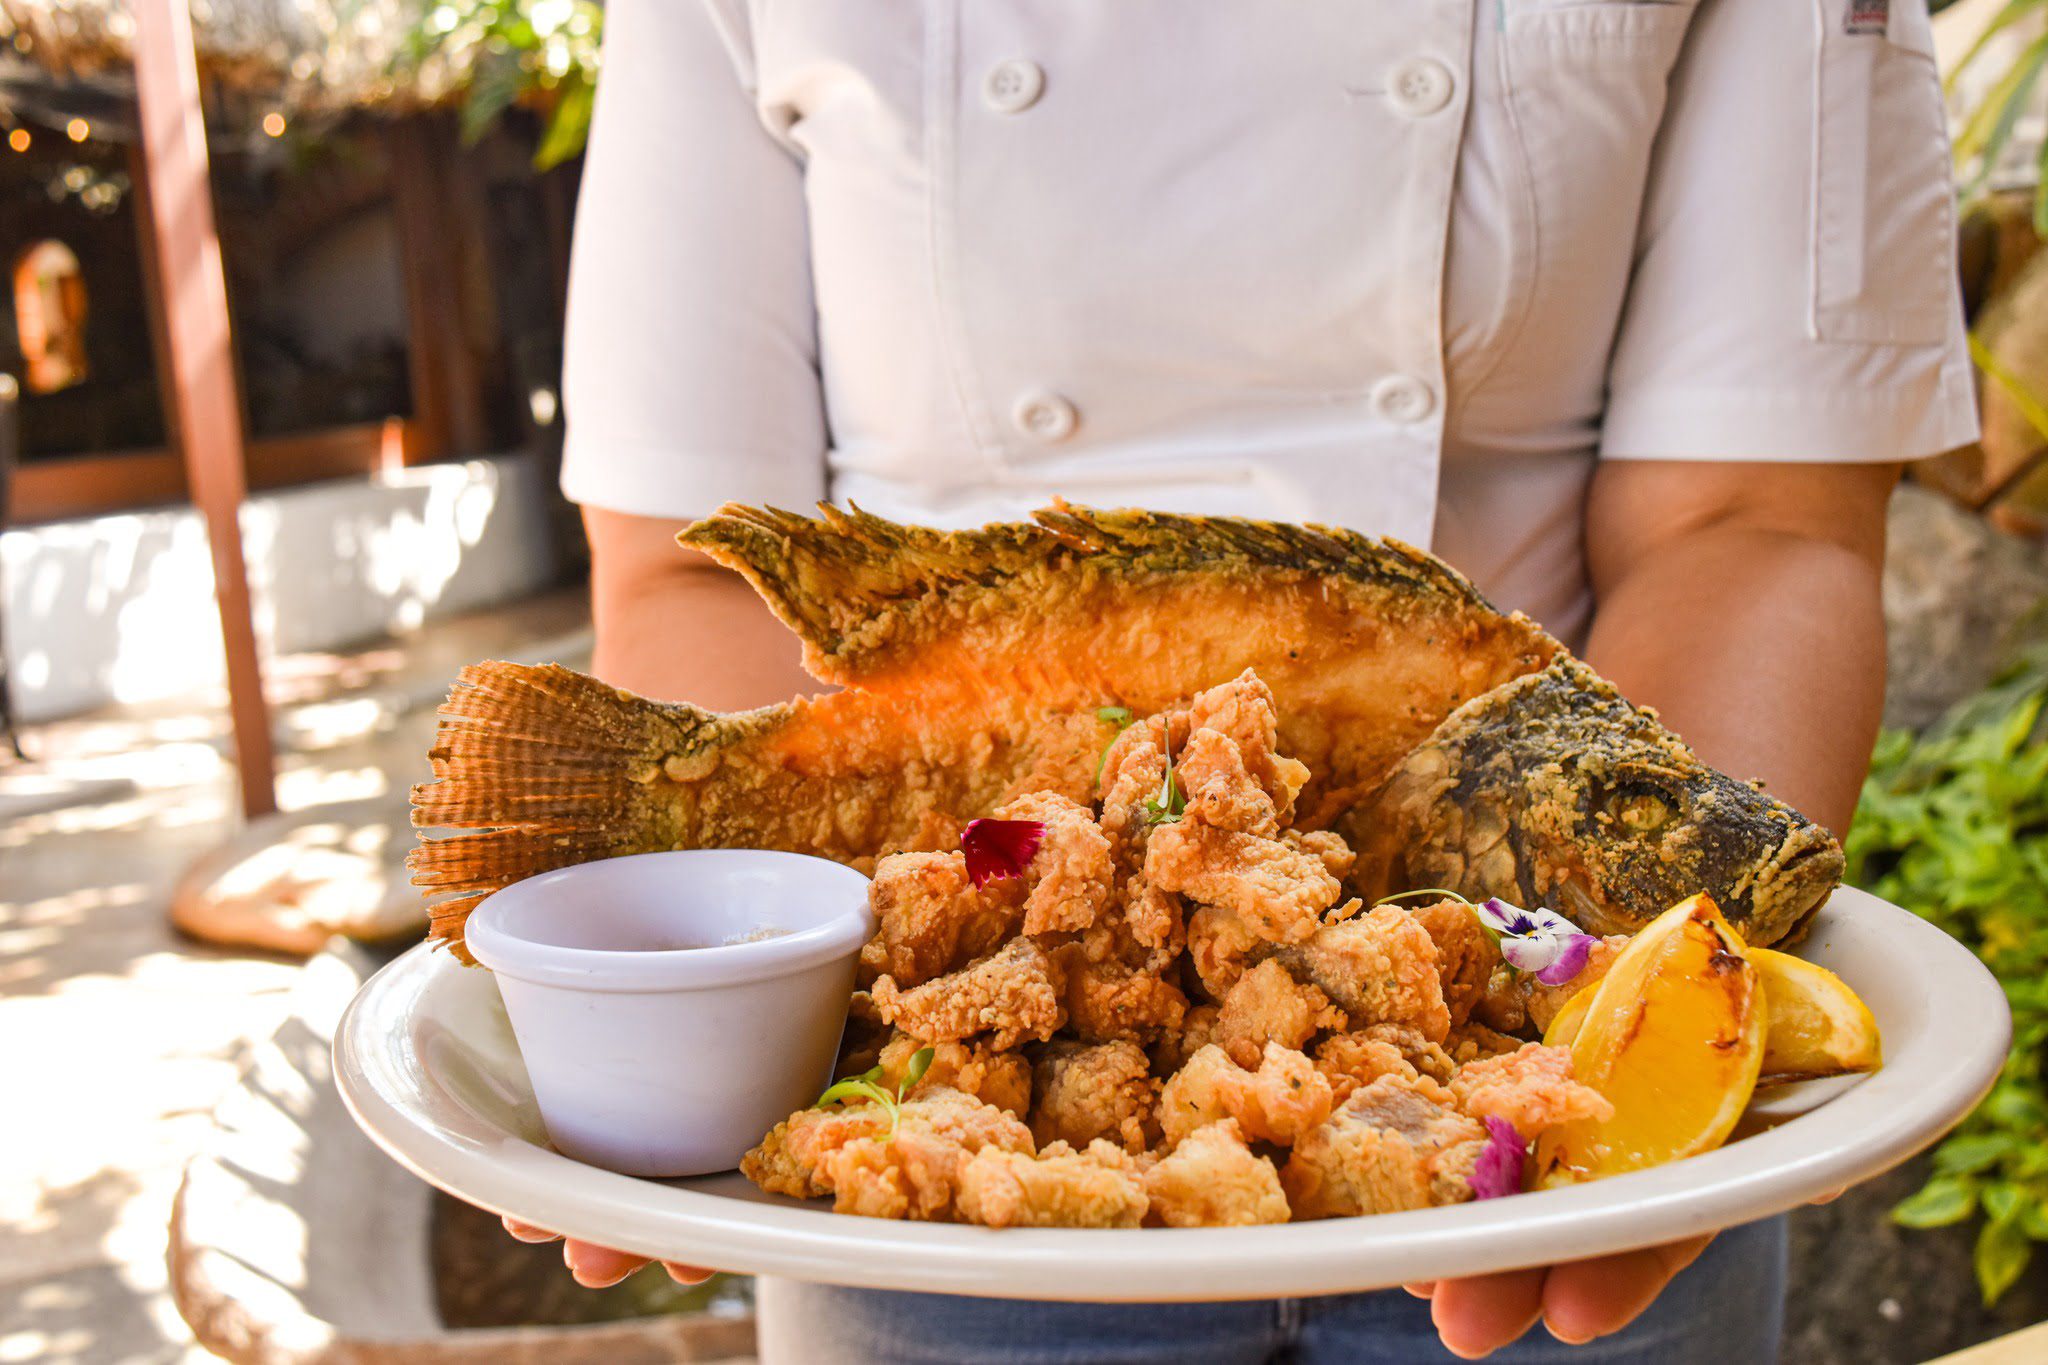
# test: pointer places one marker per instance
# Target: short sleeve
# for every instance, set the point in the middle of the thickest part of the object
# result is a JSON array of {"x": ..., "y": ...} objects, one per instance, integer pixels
[
  {"x": 1795, "y": 293},
  {"x": 690, "y": 373}
]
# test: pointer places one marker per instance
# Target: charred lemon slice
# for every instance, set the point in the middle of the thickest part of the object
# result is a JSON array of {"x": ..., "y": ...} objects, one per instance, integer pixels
[
  {"x": 1673, "y": 1036},
  {"x": 1815, "y": 1025}
]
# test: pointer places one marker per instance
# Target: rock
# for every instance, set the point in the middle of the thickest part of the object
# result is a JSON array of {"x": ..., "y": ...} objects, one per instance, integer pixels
[
  {"x": 1960, "y": 597},
  {"x": 289, "y": 882},
  {"x": 1865, "y": 1291}
]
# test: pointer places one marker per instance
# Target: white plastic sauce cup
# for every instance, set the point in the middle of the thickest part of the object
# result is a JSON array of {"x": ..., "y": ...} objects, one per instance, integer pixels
[{"x": 673, "y": 1007}]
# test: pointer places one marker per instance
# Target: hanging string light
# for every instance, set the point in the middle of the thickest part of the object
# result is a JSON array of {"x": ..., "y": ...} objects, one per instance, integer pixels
[
  {"x": 78, "y": 130},
  {"x": 19, "y": 139}
]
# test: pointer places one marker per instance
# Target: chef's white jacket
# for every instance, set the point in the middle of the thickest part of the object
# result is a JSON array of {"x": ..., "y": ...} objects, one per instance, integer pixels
[{"x": 1408, "y": 266}]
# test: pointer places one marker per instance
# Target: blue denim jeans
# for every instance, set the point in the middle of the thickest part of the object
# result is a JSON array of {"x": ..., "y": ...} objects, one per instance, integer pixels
[{"x": 1726, "y": 1309}]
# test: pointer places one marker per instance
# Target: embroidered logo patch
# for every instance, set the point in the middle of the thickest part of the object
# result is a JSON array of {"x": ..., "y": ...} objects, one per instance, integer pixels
[{"x": 1867, "y": 16}]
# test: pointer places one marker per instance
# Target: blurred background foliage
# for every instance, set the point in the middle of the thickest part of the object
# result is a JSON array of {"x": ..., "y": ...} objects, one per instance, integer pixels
[
  {"x": 1954, "y": 825},
  {"x": 535, "y": 54}
]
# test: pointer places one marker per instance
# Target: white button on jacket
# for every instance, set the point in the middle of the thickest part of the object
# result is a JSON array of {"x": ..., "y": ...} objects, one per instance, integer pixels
[{"x": 1410, "y": 266}]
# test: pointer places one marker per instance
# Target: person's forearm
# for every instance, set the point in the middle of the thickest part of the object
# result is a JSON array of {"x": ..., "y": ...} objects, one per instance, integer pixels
[
  {"x": 672, "y": 625},
  {"x": 1764, "y": 649}
]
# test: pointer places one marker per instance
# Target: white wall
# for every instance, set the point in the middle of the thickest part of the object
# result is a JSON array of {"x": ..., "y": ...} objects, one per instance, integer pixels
[{"x": 120, "y": 608}]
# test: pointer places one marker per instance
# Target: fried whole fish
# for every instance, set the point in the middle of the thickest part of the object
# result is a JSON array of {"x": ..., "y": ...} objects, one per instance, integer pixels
[{"x": 972, "y": 663}]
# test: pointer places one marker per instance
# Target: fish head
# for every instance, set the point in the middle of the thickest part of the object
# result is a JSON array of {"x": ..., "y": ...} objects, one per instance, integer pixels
[{"x": 1647, "y": 824}]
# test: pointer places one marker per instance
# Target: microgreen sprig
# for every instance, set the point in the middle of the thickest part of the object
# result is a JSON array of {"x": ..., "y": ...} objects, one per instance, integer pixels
[
  {"x": 1167, "y": 807},
  {"x": 867, "y": 1088},
  {"x": 1121, "y": 718}
]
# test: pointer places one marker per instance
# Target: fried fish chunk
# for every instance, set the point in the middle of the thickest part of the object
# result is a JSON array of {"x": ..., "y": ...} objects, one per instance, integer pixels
[
  {"x": 908, "y": 1170},
  {"x": 1098, "y": 1187},
  {"x": 1356, "y": 1059},
  {"x": 932, "y": 919},
  {"x": 1267, "y": 1005},
  {"x": 1379, "y": 967},
  {"x": 1466, "y": 957},
  {"x": 1071, "y": 876},
  {"x": 1398, "y": 1143},
  {"x": 1284, "y": 1098},
  {"x": 1220, "y": 946},
  {"x": 1086, "y": 1092},
  {"x": 1213, "y": 1179},
  {"x": 1531, "y": 1088},
  {"x": 1002, "y": 1079},
  {"x": 1108, "y": 1000},
  {"x": 1516, "y": 1001},
  {"x": 1277, "y": 891},
  {"x": 1012, "y": 994},
  {"x": 1243, "y": 711}
]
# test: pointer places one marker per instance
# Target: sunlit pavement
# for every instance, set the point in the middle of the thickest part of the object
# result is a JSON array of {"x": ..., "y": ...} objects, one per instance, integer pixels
[{"x": 116, "y": 1035}]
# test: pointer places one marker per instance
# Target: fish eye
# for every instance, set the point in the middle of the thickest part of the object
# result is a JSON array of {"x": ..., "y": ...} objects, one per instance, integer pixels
[{"x": 1640, "y": 807}]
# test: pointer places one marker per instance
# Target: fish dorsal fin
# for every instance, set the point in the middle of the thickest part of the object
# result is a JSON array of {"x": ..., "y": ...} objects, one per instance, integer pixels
[{"x": 853, "y": 585}]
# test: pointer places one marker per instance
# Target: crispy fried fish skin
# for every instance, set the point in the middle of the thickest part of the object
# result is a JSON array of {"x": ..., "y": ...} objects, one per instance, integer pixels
[
  {"x": 1071, "y": 876},
  {"x": 1531, "y": 1088},
  {"x": 953, "y": 649},
  {"x": 1267, "y": 1005},
  {"x": 1555, "y": 790},
  {"x": 1059, "y": 1188},
  {"x": 1379, "y": 967},
  {"x": 1284, "y": 1098},
  {"x": 1395, "y": 1144},
  {"x": 932, "y": 919},
  {"x": 1002, "y": 1079},
  {"x": 1214, "y": 1180},
  {"x": 1085, "y": 1092},
  {"x": 1012, "y": 994}
]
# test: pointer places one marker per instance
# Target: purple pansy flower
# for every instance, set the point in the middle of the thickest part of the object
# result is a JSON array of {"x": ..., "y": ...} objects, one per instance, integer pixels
[
  {"x": 1499, "y": 1168},
  {"x": 1539, "y": 941}
]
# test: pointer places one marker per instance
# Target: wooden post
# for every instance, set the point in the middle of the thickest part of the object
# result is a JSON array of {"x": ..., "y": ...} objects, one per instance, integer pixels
[
  {"x": 209, "y": 413},
  {"x": 447, "y": 390}
]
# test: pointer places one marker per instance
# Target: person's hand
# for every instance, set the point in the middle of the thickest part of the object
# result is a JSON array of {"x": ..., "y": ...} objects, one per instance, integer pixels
[
  {"x": 596, "y": 1267},
  {"x": 1577, "y": 1301}
]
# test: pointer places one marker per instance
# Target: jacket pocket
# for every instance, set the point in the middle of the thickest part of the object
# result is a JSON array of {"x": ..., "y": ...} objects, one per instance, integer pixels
[{"x": 1883, "y": 248}]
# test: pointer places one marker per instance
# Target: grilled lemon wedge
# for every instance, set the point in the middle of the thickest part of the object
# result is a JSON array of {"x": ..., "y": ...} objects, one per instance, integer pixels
[
  {"x": 1673, "y": 1036},
  {"x": 1814, "y": 1025}
]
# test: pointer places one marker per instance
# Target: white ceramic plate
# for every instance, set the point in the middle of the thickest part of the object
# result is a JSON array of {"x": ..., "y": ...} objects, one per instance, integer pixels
[{"x": 427, "y": 1064}]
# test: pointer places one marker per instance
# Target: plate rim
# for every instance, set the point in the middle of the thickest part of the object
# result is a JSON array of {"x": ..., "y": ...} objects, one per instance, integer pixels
[{"x": 1967, "y": 1023}]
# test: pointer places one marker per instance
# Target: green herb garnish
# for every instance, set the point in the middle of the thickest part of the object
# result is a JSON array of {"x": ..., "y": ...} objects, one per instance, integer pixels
[
  {"x": 1121, "y": 718},
  {"x": 1167, "y": 807},
  {"x": 867, "y": 1088}
]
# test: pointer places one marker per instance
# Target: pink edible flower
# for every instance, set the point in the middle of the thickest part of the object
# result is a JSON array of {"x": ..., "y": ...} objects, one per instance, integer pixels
[
  {"x": 997, "y": 849},
  {"x": 1499, "y": 1168}
]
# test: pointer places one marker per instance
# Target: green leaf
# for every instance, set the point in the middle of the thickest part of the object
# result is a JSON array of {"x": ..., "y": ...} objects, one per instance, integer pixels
[
  {"x": 2002, "y": 1253},
  {"x": 920, "y": 1062},
  {"x": 1971, "y": 1152},
  {"x": 1936, "y": 1204},
  {"x": 568, "y": 127},
  {"x": 2014, "y": 11},
  {"x": 1119, "y": 716},
  {"x": 856, "y": 1089}
]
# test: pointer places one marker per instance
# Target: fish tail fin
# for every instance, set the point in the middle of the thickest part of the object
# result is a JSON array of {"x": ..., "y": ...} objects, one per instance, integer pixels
[{"x": 544, "y": 767}]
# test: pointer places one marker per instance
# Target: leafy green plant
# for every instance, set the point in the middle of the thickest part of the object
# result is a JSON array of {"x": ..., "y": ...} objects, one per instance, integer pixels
[
  {"x": 541, "y": 54},
  {"x": 1954, "y": 826}
]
